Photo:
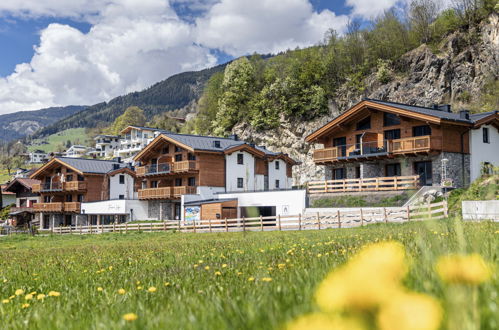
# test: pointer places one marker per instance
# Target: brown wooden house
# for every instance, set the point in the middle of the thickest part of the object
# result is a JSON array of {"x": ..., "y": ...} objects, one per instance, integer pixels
[{"x": 23, "y": 212}]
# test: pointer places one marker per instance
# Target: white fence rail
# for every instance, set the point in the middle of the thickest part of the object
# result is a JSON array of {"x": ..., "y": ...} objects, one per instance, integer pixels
[{"x": 339, "y": 219}]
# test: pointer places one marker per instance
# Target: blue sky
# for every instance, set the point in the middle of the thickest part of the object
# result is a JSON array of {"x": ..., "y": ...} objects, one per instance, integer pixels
[{"x": 89, "y": 51}]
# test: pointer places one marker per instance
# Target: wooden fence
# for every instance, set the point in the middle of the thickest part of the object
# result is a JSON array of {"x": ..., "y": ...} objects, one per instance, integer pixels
[
  {"x": 337, "y": 219},
  {"x": 366, "y": 184}
]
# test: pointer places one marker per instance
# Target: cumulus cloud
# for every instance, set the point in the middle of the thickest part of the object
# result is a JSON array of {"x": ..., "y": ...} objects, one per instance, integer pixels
[
  {"x": 266, "y": 26},
  {"x": 370, "y": 8}
]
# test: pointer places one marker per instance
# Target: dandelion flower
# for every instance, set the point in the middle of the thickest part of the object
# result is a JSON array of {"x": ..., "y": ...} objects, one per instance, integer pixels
[
  {"x": 19, "y": 292},
  {"x": 151, "y": 289},
  {"x": 121, "y": 291},
  {"x": 5, "y": 301},
  {"x": 138, "y": 282},
  {"x": 207, "y": 268},
  {"x": 100, "y": 289},
  {"x": 469, "y": 269},
  {"x": 410, "y": 311},
  {"x": 251, "y": 279},
  {"x": 224, "y": 265},
  {"x": 267, "y": 279},
  {"x": 319, "y": 321},
  {"x": 281, "y": 266},
  {"x": 40, "y": 296},
  {"x": 167, "y": 283},
  {"x": 139, "y": 287},
  {"x": 28, "y": 296},
  {"x": 25, "y": 305},
  {"x": 130, "y": 317},
  {"x": 217, "y": 273},
  {"x": 54, "y": 294}
]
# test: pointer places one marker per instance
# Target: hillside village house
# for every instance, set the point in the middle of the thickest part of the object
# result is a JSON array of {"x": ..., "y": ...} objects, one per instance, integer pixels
[
  {"x": 23, "y": 211},
  {"x": 66, "y": 183},
  {"x": 8, "y": 197},
  {"x": 76, "y": 151},
  {"x": 105, "y": 145},
  {"x": 134, "y": 139},
  {"x": 177, "y": 168},
  {"x": 387, "y": 139}
]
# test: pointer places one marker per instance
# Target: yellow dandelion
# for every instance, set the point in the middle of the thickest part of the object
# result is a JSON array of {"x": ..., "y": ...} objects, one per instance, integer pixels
[
  {"x": 410, "y": 311},
  {"x": 33, "y": 293},
  {"x": 224, "y": 265},
  {"x": 5, "y": 301},
  {"x": 195, "y": 265},
  {"x": 239, "y": 273},
  {"x": 281, "y": 266},
  {"x": 40, "y": 296},
  {"x": 151, "y": 289},
  {"x": 319, "y": 255},
  {"x": 19, "y": 292},
  {"x": 100, "y": 289},
  {"x": 207, "y": 268},
  {"x": 110, "y": 267},
  {"x": 28, "y": 296},
  {"x": 138, "y": 282},
  {"x": 139, "y": 287},
  {"x": 167, "y": 283},
  {"x": 54, "y": 294},
  {"x": 251, "y": 279},
  {"x": 25, "y": 305},
  {"x": 463, "y": 269},
  {"x": 319, "y": 321},
  {"x": 12, "y": 297},
  {"x": 129, "y": 317},
  {"x": 267, "y": 279},
  {"x": 121, "y": 291},
  {"x": 217, "y": 273},
  {"x": 5, "y": 280}
]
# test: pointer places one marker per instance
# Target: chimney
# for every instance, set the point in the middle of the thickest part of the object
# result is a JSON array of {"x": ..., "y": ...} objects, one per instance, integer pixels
[
  {"x": 435, "y": 107},
  {"x": 263, "y": 147},
  {"x": 234, "y": 137},
  {"x": 252, "y": 145},
  {"x": 464, "y": 114},
  {"x": 116, "y": 166},
  {"x": 445, "y": 108},
  {"x": 117, "y": 159}
]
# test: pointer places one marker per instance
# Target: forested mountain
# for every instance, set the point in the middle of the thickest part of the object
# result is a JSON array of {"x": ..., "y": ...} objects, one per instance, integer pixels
[
  {"x": 170, "y": 94},
  {"x": 17, "y": 125}
]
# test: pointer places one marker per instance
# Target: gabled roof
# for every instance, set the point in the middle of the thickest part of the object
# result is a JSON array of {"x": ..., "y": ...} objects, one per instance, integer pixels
[
  {"x": 202, "y": 143},
  {"x": 82, "y": 165},
  {"x": 418, "y": 112},
  {"x": 27, "y": 183},
  {"x": 3, "y": 190},
  {"x": 141, "y": 128},
  {"x": 491, "y": 117}
]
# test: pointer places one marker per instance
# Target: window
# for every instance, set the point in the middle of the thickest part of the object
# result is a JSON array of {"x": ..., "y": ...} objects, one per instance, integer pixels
[
  {"x": 485, "y": 131},
  {"x": 277, "y": 164},
  {"x": 364, "y": 124},
  {"x": 122, "y": 179},
  {"x": 191, "y": 182},
  {"x": 216, "y": 144},
  {"x": 165, "y": 150},
  {"x": 421, "y": 130},
  {"x": 277, "y": 184},
  {"x": 69, "y": 178},
  {"x": 240, "y": 159},
  {"x": 357, "y": 172},
  {"x": 178, "y": 149},
  {"x": 121, "y": 196},
  {"x": 154, "y": 184},
  {"x": 80, "y": 198},
  {"x": 191, "y": 157},
  {"x": 69, "y": 198},
  {"x": 338, "y": 174},
  {"x": 392, "y": 170},
  {"x": 178, "y": 182},
  {"x": 392, "y": 134},
  {"x": 68, "y": 170},
  {"x": 240, "y": 183},
  {"x": 178, "y": 157},
  {"x": 144, "y": 184},
  {"x": 390, "y": 119},
  {"x": 80, "y": 178}
]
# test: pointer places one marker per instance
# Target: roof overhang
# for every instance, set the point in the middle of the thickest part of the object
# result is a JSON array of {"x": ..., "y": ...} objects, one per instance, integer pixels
[
  {"x": 245, "y": 147},
  {"x": 366, "y": 104},
  {"x": 122, "y": 170},
  {"x": 51, "y": 164},
  {"x": 157, "y": 141},
  {"x": 492, "y": 119}
]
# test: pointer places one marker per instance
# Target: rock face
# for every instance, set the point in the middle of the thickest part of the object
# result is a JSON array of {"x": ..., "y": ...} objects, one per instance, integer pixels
[{"x": 422, "y": 77}]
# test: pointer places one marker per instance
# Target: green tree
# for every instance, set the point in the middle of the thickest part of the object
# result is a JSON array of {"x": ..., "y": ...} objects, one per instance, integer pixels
[
  {"x": 208, "y": 105},
  {"x": 422, "y": 13},
  {"x": 132, "y": 116}
]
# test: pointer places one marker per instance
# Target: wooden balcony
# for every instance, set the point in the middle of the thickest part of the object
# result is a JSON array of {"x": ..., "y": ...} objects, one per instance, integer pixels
[
  {"x": 419, "y": 144},
  {"x": 75, "y": 186},
  {"x": 184, "y": 166},
  {"x": 60, "y": 187},
  {"x": 324, "y": 155},
  {"x": 48, "y": 207},
  {"x": 155, "y": 193},
  {"x": 150, "y": 170},
  {"x": 392, "y": 183},
  {"x": 183, "y": 190},
  {"x": 72, "y": 207}
]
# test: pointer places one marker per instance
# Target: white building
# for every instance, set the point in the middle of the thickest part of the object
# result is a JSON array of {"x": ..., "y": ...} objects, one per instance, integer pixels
[
  {"x": 105, "y": 145},
  {"x": 134, "y": 139},
  {"x": 37, "y": 157},
  {"x": 76, "y": 151},
  {"x": 484, "y": 142}
]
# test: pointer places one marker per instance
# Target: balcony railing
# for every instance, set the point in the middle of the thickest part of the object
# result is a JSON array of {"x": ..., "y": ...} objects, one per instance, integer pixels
[
  {"x": 72, "y": 207},
  {"x": 184, "y": 166},
  {"x": 184, "y": 190},
  {"x": 377, "y": 149},
  {"x": 365, "y": 184},
  {"x": 163, "y": 168},
  {"x": 60, "y": 186},
  {"x": 155, "y": 193},
  {"x": 48, "y": 207}
]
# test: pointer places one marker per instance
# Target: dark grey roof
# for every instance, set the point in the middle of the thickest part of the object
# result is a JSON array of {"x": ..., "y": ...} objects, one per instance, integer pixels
[
  {"x": 477, "y": 116},
  {"x": 150, "y": 128},
  {"x": 92, "y": 165},
  {"x": 423, "y": 110}
]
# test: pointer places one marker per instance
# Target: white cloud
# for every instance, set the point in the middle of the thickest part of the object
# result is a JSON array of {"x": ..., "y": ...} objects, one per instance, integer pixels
[
  {"x": 370, "y": 8},
  {"x": 266, "y": 26},
  {"x": 131, "y": 45}
]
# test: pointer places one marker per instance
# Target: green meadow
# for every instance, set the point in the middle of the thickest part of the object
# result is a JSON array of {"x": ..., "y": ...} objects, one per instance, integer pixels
[{"x": 249, "y": 280}]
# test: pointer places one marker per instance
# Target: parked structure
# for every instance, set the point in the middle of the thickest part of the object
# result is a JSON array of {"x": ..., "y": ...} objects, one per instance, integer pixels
[
  {"x": 106, "y": 145},
  {"x": 174, "y": 165},
  {"x": 387, "y": 139},
  {"x": 68, "y": 182},
  {"x": 25, "y": 199}
]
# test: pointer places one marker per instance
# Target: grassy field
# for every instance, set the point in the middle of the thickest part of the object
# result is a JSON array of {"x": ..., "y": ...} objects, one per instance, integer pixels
[
  {"x": 223, "y": 281},
  {"x": 51, "y": 142}
]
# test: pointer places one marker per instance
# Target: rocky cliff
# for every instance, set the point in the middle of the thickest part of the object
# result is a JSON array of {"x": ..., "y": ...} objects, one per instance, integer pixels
[{"x": 455, "y": 73}]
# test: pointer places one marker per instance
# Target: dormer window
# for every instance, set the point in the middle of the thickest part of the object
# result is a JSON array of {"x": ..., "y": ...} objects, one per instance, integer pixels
[
  {"x": 364, "y": 124},
  {"x": 216, "y": 144},
  {"x": 240, "y": 159}
]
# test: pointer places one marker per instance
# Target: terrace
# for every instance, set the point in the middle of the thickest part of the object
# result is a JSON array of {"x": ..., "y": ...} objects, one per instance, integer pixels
[
  {"x": 60, "y": 187},
  {"x": 166, "y": 192},
  {"x": 167, "y": 168}
]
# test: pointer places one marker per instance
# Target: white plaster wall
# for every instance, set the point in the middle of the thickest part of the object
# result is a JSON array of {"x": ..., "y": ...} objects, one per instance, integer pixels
[
  {"x": 289, "y": 202},
  {"x": 116, "y": 189},
  {"x": 235, "y": 170},
  {"x": 113, "y": 207},
  {"x": 480, "y": 210},
  {"x": 279, "y": 174},
  {"x": 483, "y": 152},
  {"x": 259, "y": 182}
]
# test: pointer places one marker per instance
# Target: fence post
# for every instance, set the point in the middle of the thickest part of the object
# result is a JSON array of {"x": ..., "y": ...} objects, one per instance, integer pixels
[
  {"x": 299, "y": 221},
  {"x": 164, "y": 225},
  {"x": 261, "y": 223},
  {"x": 126, "y": 227},
  {"x": 318, "y": 221},
  {"x": 279, "y": 221},
  {"x": 384, "y": 215},
  {"x": 114, "y": 226},
  {"x": 408, "y": 213},
  {"x": 138, "y": 226},
  {"x": 226, "y": 227},
  {"x": 446, "y": 215},
  {"x": 209, "y": 223},
  {"x": 429, "y": 210},
  {"x": 60, "y": 230},
  {"x": 194, "y": 225},
  {"x": 339, "y": 218},
  {"x": 179, "y": 225},
  {"x": 244, "y": 224},
  {"x": 361, "y": 217}
]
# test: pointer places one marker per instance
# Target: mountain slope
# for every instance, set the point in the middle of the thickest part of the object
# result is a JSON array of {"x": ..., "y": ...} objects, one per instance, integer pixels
[
  {"x": 170, "y": 94},
  {"x": 17, "y": 125}
]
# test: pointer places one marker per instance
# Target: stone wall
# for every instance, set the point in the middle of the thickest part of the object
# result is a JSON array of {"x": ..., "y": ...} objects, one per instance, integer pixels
[{"x": 161, "y": 210}]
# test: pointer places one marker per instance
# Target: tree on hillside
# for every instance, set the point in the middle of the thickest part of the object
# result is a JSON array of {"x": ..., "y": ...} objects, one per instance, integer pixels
[
  {"x": 208, "y": 104},
  {"x": 422, "y": 13},
  {"x": 133, "y": 116}
]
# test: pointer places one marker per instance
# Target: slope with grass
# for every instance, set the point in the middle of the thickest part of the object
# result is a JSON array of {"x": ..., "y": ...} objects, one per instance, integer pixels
[
  {"x": 59, "y": 140},
  {"x": 208, "y": 281}
]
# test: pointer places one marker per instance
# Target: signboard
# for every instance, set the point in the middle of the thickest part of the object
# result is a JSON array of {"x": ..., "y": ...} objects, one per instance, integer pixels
[{"x": 192, "y": 213}]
